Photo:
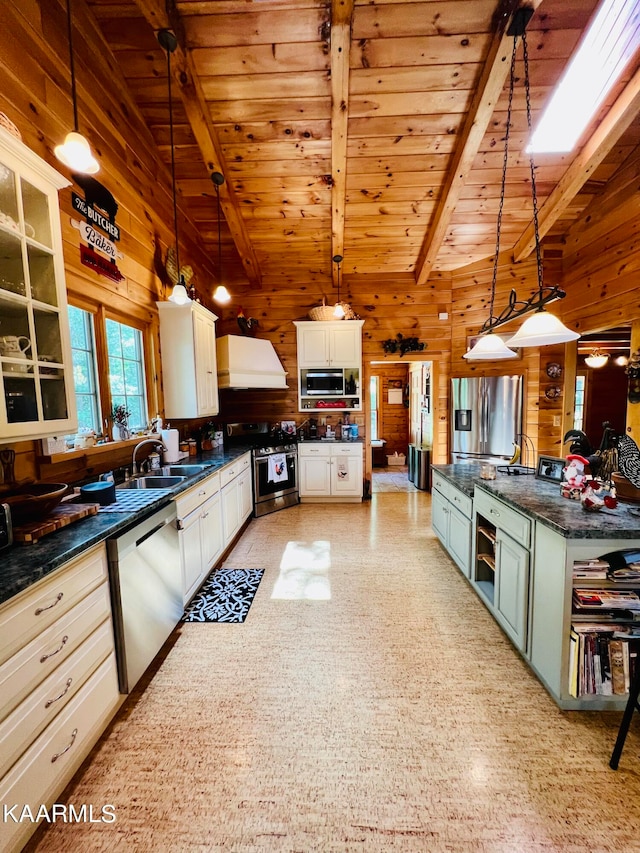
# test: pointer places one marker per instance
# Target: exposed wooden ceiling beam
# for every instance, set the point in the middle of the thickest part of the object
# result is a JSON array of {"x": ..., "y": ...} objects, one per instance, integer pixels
[
  {"x": 341, "y": 16},
  {"x": 487, "y": 93},
  {"x": 605, "y": 136},
  {"x": 186, "y": 77}
]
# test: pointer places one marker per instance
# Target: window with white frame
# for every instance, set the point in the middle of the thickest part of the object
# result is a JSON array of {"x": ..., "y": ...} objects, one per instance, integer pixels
[
  {"x": 126, "y": 371},
  {"x": 96, "y": 340},
  {"x": 83, "y": 349}
]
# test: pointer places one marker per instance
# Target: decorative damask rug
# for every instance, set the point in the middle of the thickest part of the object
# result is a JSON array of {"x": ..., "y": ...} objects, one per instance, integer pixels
[{"x": 225, "y": 597}]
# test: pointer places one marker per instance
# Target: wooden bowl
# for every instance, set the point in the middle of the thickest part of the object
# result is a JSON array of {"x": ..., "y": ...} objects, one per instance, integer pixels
[
  {"x": 625, "y": 491},
  {"x": 33, "y": 500}
]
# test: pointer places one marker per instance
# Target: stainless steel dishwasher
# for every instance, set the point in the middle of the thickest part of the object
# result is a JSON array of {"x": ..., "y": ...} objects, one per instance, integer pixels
[{"x": 146, "y": 592}]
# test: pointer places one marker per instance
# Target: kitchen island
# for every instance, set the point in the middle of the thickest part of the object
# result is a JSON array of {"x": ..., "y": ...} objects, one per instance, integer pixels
[{"x": 516, "y": 540}]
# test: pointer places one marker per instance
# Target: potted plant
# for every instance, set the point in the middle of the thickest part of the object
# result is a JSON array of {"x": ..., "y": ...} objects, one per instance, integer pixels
[{"x": 120, "y": 418}]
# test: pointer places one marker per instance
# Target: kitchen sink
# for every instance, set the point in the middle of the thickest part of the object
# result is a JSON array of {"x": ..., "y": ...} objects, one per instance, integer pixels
[
  {"x": 183, "y": 470},
  {"x": 152, "y": 482}
]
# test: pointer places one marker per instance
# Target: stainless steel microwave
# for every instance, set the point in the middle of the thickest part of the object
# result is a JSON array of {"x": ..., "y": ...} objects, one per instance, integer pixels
[{"x": 325, "y": 383}]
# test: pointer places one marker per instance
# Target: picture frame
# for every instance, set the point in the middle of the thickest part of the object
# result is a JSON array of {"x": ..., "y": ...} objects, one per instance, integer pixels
[{"x": 550, "y": 468}]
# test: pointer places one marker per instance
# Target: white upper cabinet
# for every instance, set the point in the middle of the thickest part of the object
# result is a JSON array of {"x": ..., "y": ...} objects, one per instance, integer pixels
[
  {"x": 329, "y": 344},
  {"x": 37, "y": 396},
  {"x": 188, "y": 348}
]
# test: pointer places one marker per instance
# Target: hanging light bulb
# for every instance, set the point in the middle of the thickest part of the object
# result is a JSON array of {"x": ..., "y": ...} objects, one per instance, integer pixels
[
  {"x": 221, "y": 295},
  {"x": 542, "y": 328},
  {"x": 179, "y": 294},
  {"x": 75, "y": 153},
  {"x": 338, "y": 311},
  {"x": 596, "y": 359}
]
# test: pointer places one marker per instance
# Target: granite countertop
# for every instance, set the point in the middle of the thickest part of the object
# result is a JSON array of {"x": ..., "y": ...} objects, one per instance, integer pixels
[
  {"x": 23, "y": 565},
  {"x": 541, "y": 500}
]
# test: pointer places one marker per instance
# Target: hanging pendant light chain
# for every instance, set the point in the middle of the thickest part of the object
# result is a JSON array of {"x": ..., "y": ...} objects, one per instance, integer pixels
[
  {"x": 504, "y": 182},
  {"x": 72, "y": 68},
  {"x": 219, "y": 238},
  {"x": 532, "y": 166},
  {"x": 173, "y": 166}
]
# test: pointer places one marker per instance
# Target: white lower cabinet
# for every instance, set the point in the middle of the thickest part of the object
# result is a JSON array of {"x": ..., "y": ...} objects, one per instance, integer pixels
[
  {"x": 209, "y": 516},
  {"x": 330, "y": 472},
  {"x": 237, "y": 496},
  {"x": 200, "y": 532},
  {"x": 58, "y": 683},
  {"x": 512, "y": 588},
  {"x": 451, "y": 521},
  {"x": 500, "y": 570}
]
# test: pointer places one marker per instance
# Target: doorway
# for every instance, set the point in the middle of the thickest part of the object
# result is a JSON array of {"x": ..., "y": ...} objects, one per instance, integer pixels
[
  {"x": 400, "y": 415},
  {"x": 600, "y": 392}
]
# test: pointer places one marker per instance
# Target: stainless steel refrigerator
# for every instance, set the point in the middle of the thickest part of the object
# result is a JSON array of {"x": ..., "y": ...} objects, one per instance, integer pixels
[{"x": 486, "y": 417}]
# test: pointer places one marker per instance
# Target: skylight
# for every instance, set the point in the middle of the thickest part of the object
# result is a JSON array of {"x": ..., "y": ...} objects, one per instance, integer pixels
[{"x": 608, "y": 45}]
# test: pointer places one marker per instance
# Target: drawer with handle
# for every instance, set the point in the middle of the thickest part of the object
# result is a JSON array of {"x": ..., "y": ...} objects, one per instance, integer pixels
[
  {"x": 231, "y": 471},
  {"x": 313, "y": 450},
  {"x": 461, "y": 501},
  {"x": 34, "y": 713},
  {"x": 201, "y": 492},
  {"x": 33, "y": 663},
  {"x": 502, "y": 516},
  {"x": 48, "y": 765},
  {"x": 23, "y": 617}
]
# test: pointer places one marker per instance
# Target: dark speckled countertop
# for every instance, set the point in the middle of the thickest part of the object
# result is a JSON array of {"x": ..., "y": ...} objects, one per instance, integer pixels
[
  {"x": 541, "y": 500},
  {"x": 23, "y": 565}
]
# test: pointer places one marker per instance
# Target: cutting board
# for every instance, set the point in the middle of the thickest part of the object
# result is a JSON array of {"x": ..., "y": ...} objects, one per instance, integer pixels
[{"x": 61, "y": 516}]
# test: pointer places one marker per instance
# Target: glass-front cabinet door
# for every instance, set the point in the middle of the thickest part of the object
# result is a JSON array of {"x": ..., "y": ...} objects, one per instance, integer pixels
[{"x": 37, "y": 396}]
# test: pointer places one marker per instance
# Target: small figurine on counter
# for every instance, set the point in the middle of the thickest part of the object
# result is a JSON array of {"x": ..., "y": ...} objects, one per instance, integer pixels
[
  {"x": 574, "y": 471},
  {"x": 596, "y": 496}
]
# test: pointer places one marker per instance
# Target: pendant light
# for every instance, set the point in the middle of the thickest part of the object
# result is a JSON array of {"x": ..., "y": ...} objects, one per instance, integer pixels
[
  {"x": 491, "y": 347},
  {"x": 338, "y": 311},
  {"x": 75, "y": 153},
  {"x": 596, "y": 358},
  {"x": 179, "y": 296},
  {"x": 221, "y": 295},
  {"x": 542, "y": 328}
]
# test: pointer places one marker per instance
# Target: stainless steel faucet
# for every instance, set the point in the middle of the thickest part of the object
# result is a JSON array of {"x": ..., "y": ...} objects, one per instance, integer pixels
[{"x": 154, "y": 441}]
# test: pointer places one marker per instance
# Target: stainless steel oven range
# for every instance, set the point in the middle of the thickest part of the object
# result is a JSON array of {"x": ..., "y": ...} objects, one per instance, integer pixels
[{"x": 275, "y": 466}]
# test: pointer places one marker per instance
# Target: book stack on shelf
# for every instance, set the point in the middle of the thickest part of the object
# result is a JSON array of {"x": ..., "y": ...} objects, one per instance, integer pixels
[
  {"x": 605, "y": 630},
  {"x": 603, "y": 659}
]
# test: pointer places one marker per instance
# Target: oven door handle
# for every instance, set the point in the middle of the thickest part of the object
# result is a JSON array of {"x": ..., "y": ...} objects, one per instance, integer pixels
[{"x": 262, "y": 459}]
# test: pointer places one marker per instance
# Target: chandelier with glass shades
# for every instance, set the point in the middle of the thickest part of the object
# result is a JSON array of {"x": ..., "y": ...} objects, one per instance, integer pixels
[{"x": 541, "y": 328}]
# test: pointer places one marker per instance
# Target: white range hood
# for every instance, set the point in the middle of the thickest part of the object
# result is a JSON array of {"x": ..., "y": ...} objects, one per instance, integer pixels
[{"x": 248, "y": 363}]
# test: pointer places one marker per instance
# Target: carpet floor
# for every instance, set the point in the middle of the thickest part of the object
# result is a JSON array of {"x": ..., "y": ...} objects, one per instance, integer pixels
[{"x": 370, "y": 703}]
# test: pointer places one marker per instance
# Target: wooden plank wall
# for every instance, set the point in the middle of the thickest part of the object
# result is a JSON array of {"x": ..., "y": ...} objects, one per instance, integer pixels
[
  {"x": 389, "y": 304},
  {"x": 35, "y": 95},
  {"x": 599, "y": 272}
]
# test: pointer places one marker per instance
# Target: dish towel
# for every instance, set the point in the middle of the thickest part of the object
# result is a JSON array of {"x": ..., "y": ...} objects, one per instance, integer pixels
[
  {"x": 277, "y": 468},
  {"x": 343, "y": 468}
]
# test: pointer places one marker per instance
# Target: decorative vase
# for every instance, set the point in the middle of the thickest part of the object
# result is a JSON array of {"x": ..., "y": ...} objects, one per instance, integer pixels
[{"x": 121, "y": 432}]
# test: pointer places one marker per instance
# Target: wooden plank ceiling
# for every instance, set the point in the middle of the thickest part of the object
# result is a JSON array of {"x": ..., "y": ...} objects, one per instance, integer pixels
[{"x": 373, "y": 129}]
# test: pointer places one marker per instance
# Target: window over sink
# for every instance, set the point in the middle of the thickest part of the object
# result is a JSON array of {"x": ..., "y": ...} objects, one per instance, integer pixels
[{"x": 97, "y": 339}]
